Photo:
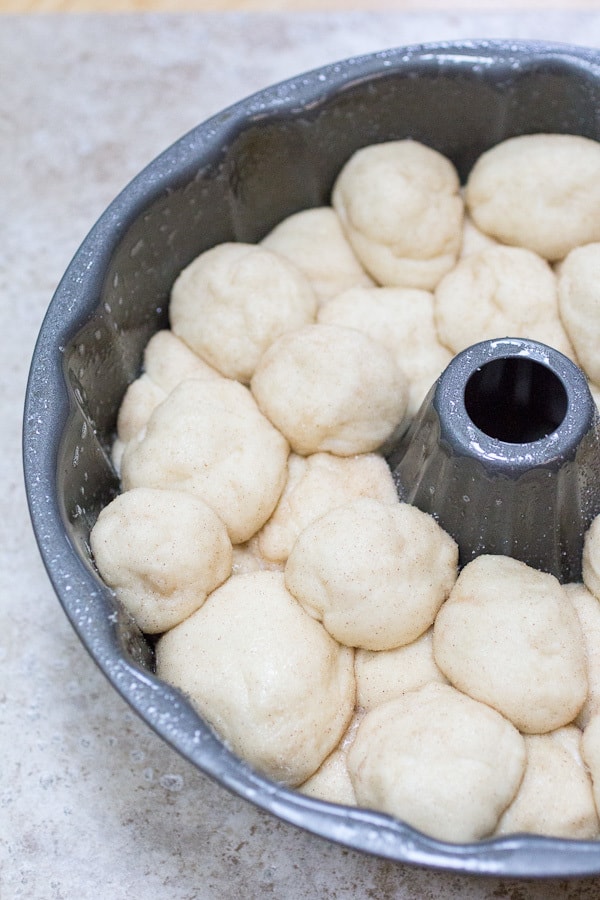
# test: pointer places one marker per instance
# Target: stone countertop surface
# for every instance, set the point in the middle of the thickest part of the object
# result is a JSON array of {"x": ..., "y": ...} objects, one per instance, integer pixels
[{"x": 92, "y": 803}]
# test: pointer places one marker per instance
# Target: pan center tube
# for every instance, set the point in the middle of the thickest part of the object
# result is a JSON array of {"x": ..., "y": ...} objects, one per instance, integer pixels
[
  {"x": 505, "y": 454},
  {"x": 516, "y": 400}
]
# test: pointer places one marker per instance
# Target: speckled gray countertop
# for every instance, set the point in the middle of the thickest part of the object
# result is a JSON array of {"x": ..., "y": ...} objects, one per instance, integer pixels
[{"x": 93, "y": 804}]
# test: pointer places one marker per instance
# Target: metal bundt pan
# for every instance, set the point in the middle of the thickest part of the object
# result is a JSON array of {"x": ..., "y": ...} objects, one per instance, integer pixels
[{"x": 233, "y": 178}]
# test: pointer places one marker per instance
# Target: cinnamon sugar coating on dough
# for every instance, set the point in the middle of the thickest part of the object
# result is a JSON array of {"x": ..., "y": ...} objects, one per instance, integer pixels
[
  {"x": 579, "y": 304},
  {"x": 538, "y": 191},
  {"x": 162, "y": 552},
  {"x": 234, "y": 300},
  {"x": 590, "y": 561},
  {"x": 555, "y": 797},
  {"x": 590, "y": 751},
  {"x": 314, "y": 241},
  {"x": 499, "y": 292},
  {"x": 328, "y": 388},
  {"x": 315, "y": 485},
  {"x": 402, "y": 319},
  {"x": 473, "y": 239},
  {"x": 438, "y": 760},
  {"x": 587, "y": 607},
  {"x": 271, "y": 681},
  {"x": 141, "y": 399},
  {"x": 210, "y": 438},
  {"x": 509, "y": 636},
  {"x": 331, "y": 782},
  {"x": 383, "y": 675},
  {"x": 400, "y": 207},
  {"x": 167, "y": 362},
  {"x": 375, "y": 574}
]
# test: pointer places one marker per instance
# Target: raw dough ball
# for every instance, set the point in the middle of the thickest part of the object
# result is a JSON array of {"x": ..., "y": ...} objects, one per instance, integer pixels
[
  {"x": 331, "y": 782},
  {"x": 590, "y": 561},
  {"x": 500, "y": 292},
  {"x": 402, "y": 319},
  {"x": 373, "y": 573},
  {"x": 315, "y": 485},
  {"x": 330, "y": 388},
  {"x": 540, "y": 191},
  {"x": 234, "y": 300},
  {"x": 509, "y": 636},
  {"x": 209, "y": 438},
  {"x": 141, "y": 399},
  {"x": 167, "y": 362},
  {"x": 315, "y": 242},
  {"x": 579, "y": 304},
  {"x": 268, "y": 678},
  {"x": 473, "y": 239},
  {"x": 440, "y": 761},
  {"x": 590, "y": 751},
  {"x": 400, "y": 207},
  {"x": 588, "y": 611},
  {"x": 162, "y": 552},
  {"x": 555, "y": 797},
  {"x": 383, "y": 675}
]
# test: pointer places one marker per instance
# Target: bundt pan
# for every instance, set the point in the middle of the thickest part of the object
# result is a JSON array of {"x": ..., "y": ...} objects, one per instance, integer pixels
[{"x": 233, "y": 178}]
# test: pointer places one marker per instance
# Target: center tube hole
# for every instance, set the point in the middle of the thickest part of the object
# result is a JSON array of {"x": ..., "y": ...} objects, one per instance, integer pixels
[{"x": 516, "y": 400}]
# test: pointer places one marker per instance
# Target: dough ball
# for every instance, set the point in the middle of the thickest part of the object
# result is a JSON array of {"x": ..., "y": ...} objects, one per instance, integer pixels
[
  {"x": 373, "y": 573},
  {"x": 168, "y": 361},
  {"x": 402, "y": 319},
  {"x": 162, "y": 552},
  {"x": 440, "y": 761},
  {"x": 473, "y": 239},
  {"x": 315, "y": 485},
  {"x": 270, "y": 680},
  {"x": 590, "y": 751},
  {"x": 555, "y": 797},
  {"x": 509, "y": 636},
  {"x": 383, "y": 675},
  {"x": 315, "y": 242},
  {"x": 588, "y": 612},
  {"x": 400, "y": 207},
  {"x": 234, "y": 300},
  {"x": 209, "y": 438},
  {"x": 330, "y": 388},
  {"x": 500, "y": 292},
  {"x": 579, "y": 304},
  {"x": 590, "y": 560},
  {"x": 539, "y": 191},
  {"x": 139, "y": 402},
  {"x": 331, "y": 782}
]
